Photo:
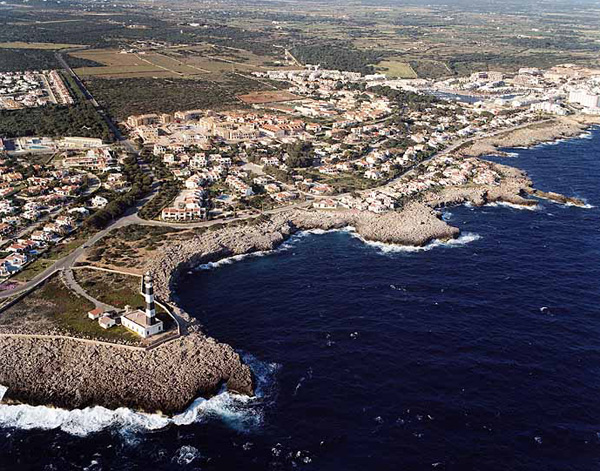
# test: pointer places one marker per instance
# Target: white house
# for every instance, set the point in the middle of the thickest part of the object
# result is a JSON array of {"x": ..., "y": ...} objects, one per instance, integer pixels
[{"x": 99, "y": 202}]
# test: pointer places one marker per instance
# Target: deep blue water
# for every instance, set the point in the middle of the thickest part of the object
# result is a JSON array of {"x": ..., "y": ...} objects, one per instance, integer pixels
[{"x": 480, "y": 356}]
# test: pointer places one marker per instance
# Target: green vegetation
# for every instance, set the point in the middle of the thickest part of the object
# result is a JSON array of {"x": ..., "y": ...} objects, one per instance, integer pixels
[
  {"x": 113, "y": 289},
  {"x": 54, "y": 308},
  {"x": 130, "y": 246},
  {"x": 141, "y": 185},
  {"x": 336, "y": 55},
  {"x": 16, "y": 60},
  {"x": 167, "y": 193},
  {"x": 300, "y": 154},
  {"x": 33, "y": 269},
  {"x": 125, "y": 97},
  {"x": 118, "y": 290},
  {"x": 80, "y": 119}
]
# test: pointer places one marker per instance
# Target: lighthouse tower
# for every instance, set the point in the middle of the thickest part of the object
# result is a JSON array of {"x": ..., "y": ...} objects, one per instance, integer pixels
[{"x": 149, "y": 297}]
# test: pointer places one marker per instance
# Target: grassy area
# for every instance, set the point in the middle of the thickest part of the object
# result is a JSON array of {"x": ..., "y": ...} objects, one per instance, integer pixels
[
  {"x": 111, "y": 288},
  {"x": 117, "y": 290},
  {"x": 66, "y": 247},
  {"x": 55, "y": 308},
  {"x": 396, "y": 69},
  {"x": 33, "y": 269}
]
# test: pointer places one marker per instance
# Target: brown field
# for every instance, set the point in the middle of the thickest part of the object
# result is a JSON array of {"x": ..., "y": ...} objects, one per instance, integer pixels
[
  {"x": 176, "y": 62},
  {"x": 258, "y": 98},
  {"x": 196, "y": 61},
  {"x": 46, "y": 46},
  {"x": 150, "y": 64},
  {"x": 396, "y": 69}
]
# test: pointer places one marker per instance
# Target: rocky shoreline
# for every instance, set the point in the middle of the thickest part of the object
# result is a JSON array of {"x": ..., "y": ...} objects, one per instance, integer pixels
[
  {"x": 74, "y": 374},
  {"x": 536, "y": 133}
]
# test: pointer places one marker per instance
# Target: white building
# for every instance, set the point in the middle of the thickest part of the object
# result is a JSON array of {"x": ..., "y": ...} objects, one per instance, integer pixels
[{"x": 585, "y": 98}]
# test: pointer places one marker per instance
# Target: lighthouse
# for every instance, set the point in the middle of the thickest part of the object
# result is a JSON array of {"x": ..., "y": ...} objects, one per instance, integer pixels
[
  {"x": 144, "y": 321},
  {"x": 149, "y": 297}
]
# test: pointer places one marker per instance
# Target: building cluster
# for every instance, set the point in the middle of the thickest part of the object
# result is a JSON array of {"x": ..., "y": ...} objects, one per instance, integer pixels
[
  {"x": 142, "y": 322},
  {"x": 227, "y": 160},
  {"x": 42, "y": 204},
  {"x": 559, "y": 90},
  {"x": 50, "y": 145},
  {"x": 32, "y": 88}
]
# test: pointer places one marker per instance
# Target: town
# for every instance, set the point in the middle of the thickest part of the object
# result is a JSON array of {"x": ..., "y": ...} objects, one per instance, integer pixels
[
  {"x": 333, "y": 140},
  {"x": 32, "y": 89}
]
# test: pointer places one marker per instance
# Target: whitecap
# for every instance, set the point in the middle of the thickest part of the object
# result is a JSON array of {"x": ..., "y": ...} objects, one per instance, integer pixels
[
  {"x": 513, "y": 206},
  {"x": 464, "y": 239},
  {"x": 585, "y": 206},
  {"x": 186, "y": 454},
  {"x": 79, "y": 422}
]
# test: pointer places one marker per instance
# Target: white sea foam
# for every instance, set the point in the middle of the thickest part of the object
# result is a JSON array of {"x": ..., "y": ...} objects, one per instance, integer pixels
[
  {"x": 464, "y": 239},
  {"x": 446, "y": 216},
  {"x": 586, "y": 135},
  {"x": 585, "y": 206},
  {"x": 186, "y": 454},
  {"x": 239, "y": 412},
  {"x": 282, "y": 248},
  {"x": 513, "y": 206},
  {"x": 512, "y": 154}
]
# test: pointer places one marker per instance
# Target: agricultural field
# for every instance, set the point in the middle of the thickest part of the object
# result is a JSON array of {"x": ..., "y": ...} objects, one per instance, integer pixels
[
  {"x": 43, "y": 46},
  {"x": 185, "y": 62},
  {"x": 396, "y": 69}
]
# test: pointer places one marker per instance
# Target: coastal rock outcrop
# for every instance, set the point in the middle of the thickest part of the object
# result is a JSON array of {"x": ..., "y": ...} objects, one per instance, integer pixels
[
  {"x": 550, "y": 130},
  {"x": 74, "y": 374},
  {"x": 416, "y": 224}
]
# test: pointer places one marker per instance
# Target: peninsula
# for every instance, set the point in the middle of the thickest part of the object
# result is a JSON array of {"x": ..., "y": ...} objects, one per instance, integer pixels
[{"x": 81, "y": 324}]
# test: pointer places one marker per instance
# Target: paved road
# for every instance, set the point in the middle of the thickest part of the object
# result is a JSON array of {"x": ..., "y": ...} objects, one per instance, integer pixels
[
  {"x": 71, "y": 282},
  {"x": 127, "y": 144}
]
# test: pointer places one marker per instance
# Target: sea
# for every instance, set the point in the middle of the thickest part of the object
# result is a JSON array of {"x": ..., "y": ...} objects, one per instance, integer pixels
[{"x": 478, "y": 354}]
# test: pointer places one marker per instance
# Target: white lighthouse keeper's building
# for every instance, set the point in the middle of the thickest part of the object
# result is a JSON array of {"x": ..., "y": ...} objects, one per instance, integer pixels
[{"x": 144, "y": 323}]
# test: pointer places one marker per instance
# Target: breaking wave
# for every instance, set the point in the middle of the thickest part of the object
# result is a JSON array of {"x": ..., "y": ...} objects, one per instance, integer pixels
[
  {"x": 463, "y": 239},
  {"x": 513, "y": 206},
  {"x": 282, "y": 248},
  {"x": 241, "y": 413}
]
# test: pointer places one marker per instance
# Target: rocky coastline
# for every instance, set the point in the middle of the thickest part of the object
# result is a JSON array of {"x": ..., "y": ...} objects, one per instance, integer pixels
[
  {"x": 73, "y": 374},
  {"x": 536, "y": 133}
]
